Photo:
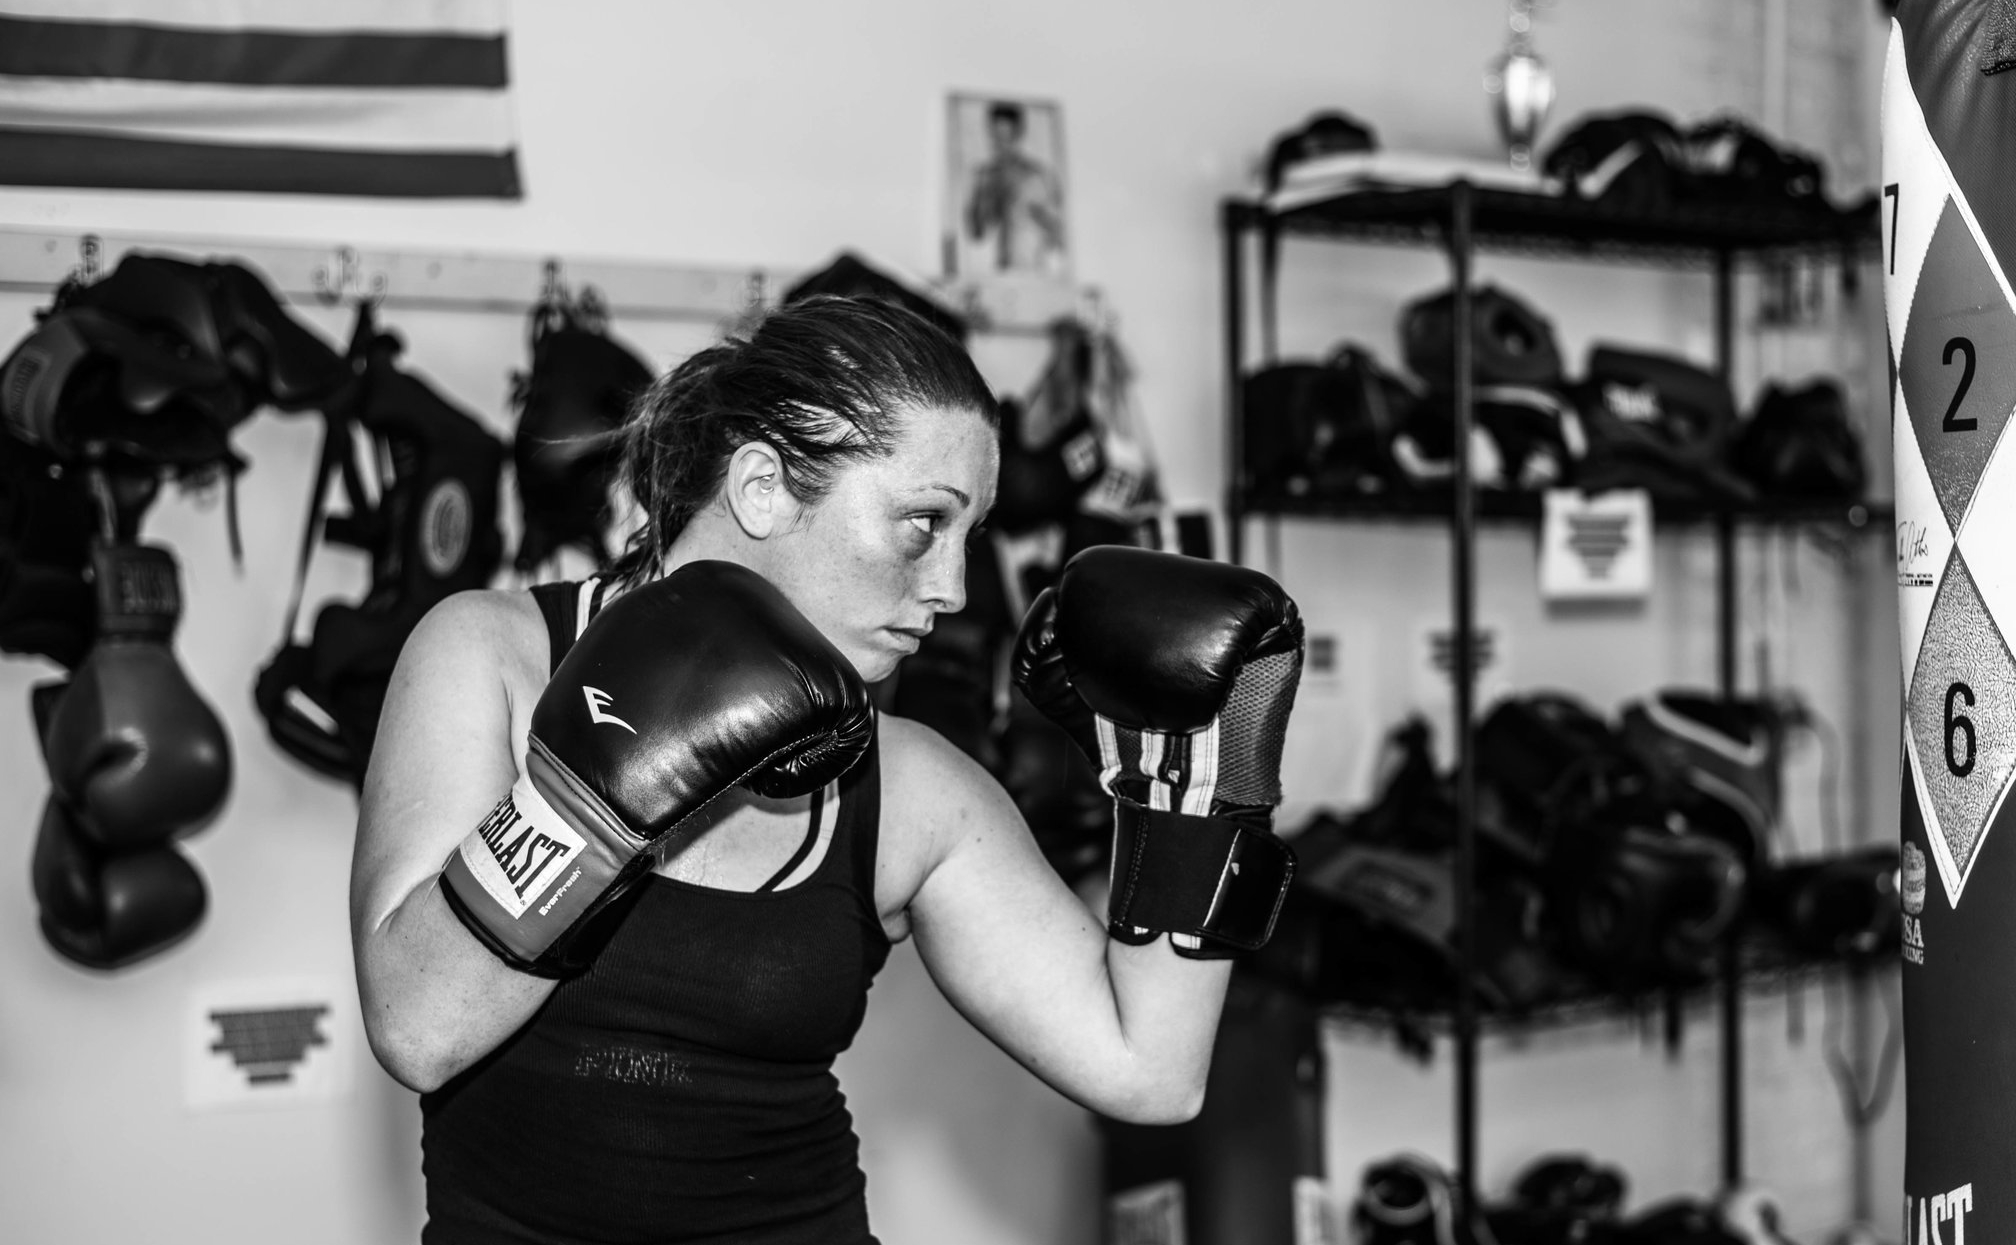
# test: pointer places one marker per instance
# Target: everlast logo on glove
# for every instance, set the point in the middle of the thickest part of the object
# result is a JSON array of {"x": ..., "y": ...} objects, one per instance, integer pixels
[{"x": 526, "y": 853}]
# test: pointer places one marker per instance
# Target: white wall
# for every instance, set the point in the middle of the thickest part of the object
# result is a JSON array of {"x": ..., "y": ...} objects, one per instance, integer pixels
[{"x": 712, "y": 132}]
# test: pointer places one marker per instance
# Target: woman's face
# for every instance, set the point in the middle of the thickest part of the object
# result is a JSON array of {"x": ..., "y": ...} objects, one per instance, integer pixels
[{"x": 884, "y": 553}]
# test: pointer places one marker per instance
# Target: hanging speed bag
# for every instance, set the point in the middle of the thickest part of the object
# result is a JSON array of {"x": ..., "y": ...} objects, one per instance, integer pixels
[{"x": 1949, "y": 226}]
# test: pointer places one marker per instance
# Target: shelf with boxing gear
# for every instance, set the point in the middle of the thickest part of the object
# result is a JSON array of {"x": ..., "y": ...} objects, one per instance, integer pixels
[{"x": 1462, "y": 218}]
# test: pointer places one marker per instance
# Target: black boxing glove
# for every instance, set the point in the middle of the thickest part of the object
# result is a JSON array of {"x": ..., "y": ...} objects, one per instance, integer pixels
[
  {"x": 105, "y": 909},
  {"x": 701, "y": 681},
  {"x": 133, "y": 749},
  {"x": 1176, "y": 676}
]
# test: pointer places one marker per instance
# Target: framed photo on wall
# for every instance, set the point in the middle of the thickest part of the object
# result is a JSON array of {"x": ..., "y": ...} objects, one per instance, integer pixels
[{"x": 1006, "y": 194}]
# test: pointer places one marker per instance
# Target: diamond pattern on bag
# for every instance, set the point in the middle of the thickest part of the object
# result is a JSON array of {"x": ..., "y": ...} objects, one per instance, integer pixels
[
  {"x": 1958, "y": 364},
  {"x": 1958, "y": 710}
]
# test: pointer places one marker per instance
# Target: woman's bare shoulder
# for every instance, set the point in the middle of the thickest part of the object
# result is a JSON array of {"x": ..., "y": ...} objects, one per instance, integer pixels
[{"x": 501, "y": 627}]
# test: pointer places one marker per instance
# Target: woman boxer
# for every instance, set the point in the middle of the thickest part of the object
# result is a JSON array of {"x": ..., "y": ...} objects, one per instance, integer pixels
[{"x": 621, "y": 996}]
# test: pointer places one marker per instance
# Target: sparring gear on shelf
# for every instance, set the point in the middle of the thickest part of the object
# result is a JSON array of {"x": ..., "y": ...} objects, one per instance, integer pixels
[
  {"x": 1718, "y": 760},
  {"x": 576, "y": 395},
  {"x": 1734, "y": 164},
  {"x": 1326, "y": 133},
  {"x": 1633, "y": 161},
  {"x": 1561, "y": 1197},
  {"x": 700, "y": 681},
  {"x": 1657, "y": 422},
  {"x": 1799, "y": 444},
  {"x": 1841, "y": 905},
  {"x": 1177, "y": 676},
  {"x": 1636, "y": 894},
  {"x": 1510, "y": 342},
  {"x": 1409, "y": 1200},
  {"x": 1371, "y": 918},
  {"x": 103, "y": 908},
  {"x": 1249, "y": 1168},
  {"x": 1322, "y": 430},
  {"x": 1526, "y": 438},
  {"x": 134, "y": 751},
  {"x": 431, "y": 531}
]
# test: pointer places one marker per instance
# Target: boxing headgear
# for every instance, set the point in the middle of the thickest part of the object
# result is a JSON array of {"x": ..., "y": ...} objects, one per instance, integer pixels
[
  {"x": 1510, "y": 342},
  {"x": 578, "y": 393}
]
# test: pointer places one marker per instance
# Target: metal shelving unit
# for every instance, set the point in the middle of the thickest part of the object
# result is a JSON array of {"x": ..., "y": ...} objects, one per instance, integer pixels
[{"x": 1462, "y": 219}]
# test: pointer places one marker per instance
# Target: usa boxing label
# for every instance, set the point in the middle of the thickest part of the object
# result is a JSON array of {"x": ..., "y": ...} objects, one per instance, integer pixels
[{"x": 522, "y": 850}]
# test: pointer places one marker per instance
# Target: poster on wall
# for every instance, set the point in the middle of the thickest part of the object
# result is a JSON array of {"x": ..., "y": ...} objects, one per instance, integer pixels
[{"x": 1005, "y": 190}]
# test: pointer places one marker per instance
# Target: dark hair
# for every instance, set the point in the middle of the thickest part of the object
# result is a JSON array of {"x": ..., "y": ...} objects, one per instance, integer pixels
[
  {"x": 821, "y": 380},
  {"x": 1007, "y": 112}
]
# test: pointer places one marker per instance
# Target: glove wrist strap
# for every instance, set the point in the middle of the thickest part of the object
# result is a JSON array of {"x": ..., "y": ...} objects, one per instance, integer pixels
[
  {"x": 1215, "y": 878},
  {"x": 547, "y": 858}
]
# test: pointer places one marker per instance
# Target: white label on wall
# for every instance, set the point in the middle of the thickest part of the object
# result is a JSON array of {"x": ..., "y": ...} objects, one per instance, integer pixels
[
  {"x": 1596, "y": 546},
  {"x": 283, "y": 1041}
]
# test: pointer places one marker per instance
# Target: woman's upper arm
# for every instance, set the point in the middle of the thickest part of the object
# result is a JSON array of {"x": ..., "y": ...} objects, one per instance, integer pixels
[
  {"x": 1010, "y": 946},
  {"x": 443, "y": 754}
]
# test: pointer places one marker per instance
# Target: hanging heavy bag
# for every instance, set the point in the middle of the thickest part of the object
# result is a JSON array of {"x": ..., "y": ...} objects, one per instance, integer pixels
[
  {"x": 1949, "y": 107},
  {"x": 431, "y": 532},
  {"x": 1510, "y": 342},
  {"x": 576, "y": 395},
  {"x": 1800, "y": 445}
]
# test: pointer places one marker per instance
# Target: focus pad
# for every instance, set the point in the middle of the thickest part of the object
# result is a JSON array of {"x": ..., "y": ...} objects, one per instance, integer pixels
[{"x": 1157, "y": 640}]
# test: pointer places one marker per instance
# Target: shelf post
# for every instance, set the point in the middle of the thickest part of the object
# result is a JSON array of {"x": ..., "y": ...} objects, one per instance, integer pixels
[
  {"x": 1729, "y": 965},
  {"x": 1463, "y": 679}
]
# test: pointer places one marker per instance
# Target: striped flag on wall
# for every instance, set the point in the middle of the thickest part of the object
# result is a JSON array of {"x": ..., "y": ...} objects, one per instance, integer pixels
[{"x": 355, "y": 97}]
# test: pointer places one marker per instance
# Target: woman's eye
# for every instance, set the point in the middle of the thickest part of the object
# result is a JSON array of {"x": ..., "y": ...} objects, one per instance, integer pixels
[{"x": 925, "y": 523}]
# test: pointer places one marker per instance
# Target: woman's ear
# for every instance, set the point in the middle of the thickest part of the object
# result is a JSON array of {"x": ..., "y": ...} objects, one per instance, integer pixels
[{"x": 755, "y": 491}]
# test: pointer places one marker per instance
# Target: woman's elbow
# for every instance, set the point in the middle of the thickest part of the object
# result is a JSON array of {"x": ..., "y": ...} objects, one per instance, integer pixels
[
  {"x": 409, "y": 1057},
  {"x": 1161, "y": 1102}
]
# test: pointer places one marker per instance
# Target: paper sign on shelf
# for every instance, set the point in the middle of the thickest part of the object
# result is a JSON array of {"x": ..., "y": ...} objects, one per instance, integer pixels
[{"x": 1596, "y": 546}]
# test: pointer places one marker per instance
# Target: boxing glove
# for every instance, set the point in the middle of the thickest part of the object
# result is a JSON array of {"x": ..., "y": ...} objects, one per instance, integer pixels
[
  {"x": 106, "y": 909},
  {"x": 677, "y": 691},
  {"x": 133, "y": 749},
  {"x": 1176, "y": 676}
]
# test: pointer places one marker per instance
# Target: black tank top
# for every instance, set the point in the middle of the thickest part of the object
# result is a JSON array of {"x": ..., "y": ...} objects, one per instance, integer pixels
[{"x": 682, "y": 1088}]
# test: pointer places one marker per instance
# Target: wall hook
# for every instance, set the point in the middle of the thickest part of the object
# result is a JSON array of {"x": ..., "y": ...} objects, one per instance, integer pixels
[
  {"x": 90, "y": 259},
  {"x": 342, "y": 277}
]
